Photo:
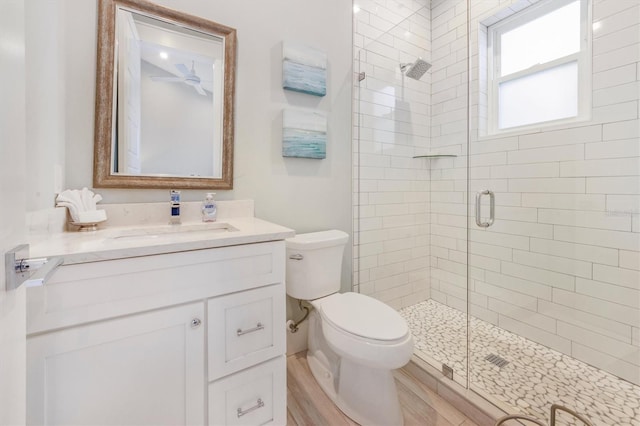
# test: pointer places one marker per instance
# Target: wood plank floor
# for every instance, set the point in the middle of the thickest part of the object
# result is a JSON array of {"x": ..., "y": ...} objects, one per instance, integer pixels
[{"x": 308, "y": 405}]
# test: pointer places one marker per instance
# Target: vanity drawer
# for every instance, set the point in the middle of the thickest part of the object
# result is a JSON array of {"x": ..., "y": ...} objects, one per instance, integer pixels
[
  {"x": 255, "y": 396},
  {"x": 245, "y": 328},
  {"x": 94, "y": 291}
]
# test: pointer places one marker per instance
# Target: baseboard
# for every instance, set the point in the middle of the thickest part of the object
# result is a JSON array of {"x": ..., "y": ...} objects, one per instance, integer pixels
[{"x": 476, "y": 408}]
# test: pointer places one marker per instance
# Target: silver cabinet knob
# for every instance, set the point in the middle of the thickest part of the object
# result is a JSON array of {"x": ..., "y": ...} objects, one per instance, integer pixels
[{"x": 195, "y": 323}]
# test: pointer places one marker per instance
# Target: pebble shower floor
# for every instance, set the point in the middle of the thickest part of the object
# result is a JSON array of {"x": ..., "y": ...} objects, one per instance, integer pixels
[{"x": 535, "y": 376}]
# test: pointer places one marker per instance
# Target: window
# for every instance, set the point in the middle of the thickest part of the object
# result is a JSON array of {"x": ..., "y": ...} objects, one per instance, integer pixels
[{"x": 539, "y": 66}]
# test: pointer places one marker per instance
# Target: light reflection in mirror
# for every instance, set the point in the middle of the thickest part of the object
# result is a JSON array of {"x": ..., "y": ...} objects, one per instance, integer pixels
[{"x": 169, "y": 86}]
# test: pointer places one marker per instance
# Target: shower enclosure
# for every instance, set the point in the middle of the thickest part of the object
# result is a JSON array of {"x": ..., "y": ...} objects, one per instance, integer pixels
[{"x": 497, "y": 201}]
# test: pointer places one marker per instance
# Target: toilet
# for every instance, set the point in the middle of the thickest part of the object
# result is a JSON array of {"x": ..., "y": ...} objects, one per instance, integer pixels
[{"x": 354, "y": 341}]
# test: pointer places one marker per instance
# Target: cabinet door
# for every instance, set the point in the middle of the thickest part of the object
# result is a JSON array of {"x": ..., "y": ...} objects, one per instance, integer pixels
[{"x": 145, "y": 369}]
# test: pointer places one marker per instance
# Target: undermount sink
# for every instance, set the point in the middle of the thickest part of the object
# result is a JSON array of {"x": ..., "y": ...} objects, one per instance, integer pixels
[{"x": 167, "y": 230}]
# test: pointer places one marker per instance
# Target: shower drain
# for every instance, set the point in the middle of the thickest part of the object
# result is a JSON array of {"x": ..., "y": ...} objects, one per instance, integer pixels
[{"x": 496, "y": 360}]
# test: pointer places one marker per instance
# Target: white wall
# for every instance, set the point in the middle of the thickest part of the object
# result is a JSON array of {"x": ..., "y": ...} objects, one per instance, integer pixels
[
  {"x": 561, "y": 265},
  {"x": 391, "y": 118},
  {"x": 45, "y": 98},
  {"x": 303, "y": 194},
  {"x": 12, "y": 190}
]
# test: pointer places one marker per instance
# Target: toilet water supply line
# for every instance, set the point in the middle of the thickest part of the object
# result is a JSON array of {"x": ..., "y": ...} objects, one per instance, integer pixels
[{"x": 293, "y": 325}]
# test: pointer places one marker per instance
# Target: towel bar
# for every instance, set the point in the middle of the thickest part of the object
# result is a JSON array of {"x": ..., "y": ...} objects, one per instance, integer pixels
[{"x": 554, "y": 409}]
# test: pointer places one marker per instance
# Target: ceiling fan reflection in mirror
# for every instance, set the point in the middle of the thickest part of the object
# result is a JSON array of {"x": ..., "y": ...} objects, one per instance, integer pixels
[{"x": 189, "y": 77}]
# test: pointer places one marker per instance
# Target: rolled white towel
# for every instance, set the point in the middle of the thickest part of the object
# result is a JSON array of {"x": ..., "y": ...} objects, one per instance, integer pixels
[
  {"x": 92, "y": 216},
  {"x": 81, "y": 205},
  {"x": 96, "y": 199},
  {"x": 73, "y": 210},
  {"x": 86, "y": 197}
]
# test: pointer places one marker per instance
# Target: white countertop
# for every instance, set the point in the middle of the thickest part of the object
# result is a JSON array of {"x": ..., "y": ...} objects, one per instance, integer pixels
[{"x": 132, "y": 241}]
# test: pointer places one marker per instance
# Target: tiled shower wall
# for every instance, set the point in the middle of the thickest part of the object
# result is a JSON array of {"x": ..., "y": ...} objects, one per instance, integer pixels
[
  {"x": 561, "y": 264},
  {"x": 449, "y": 132},
  {"x": 391, "y": 125}
]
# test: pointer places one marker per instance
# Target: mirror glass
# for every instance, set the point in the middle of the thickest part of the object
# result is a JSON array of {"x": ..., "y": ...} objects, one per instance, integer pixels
[{"x": 167, "y": 117}]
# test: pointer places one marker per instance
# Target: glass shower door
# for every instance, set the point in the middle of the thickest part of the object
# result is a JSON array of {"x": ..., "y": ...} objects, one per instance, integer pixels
[
  {"x": 411, "y": 174},
  {"x": 554, "y": 242},
  {"x": 445, "y": 328},
  {"x": 541, "y": 291}
]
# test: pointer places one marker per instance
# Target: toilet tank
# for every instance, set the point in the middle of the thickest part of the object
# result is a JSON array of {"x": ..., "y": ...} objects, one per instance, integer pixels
[{"x": 314, "y": 264}]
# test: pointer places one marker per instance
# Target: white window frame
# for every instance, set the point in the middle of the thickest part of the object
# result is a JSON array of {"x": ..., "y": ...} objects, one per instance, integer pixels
[{"x": 582, "y": 57}]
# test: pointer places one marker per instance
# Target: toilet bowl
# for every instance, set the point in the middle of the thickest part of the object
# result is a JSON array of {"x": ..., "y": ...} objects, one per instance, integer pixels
[
  {"x": 355, "y": 341},
  {"x": 364, "y": 329}
]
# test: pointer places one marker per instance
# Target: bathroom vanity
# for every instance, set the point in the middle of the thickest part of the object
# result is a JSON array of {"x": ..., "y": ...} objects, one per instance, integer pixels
[{"x": 160, "y": 325}]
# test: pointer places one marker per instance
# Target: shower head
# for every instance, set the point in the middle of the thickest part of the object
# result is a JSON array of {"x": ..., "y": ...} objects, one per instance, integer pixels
[{"x": 415, "y": 69}]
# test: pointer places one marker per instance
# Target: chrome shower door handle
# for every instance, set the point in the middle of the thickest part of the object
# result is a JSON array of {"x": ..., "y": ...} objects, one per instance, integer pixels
[{"x": 492, "y": 208}]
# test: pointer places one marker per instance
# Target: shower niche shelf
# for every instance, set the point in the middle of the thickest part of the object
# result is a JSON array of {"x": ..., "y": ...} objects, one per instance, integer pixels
[{"x": 436, "y": 156}]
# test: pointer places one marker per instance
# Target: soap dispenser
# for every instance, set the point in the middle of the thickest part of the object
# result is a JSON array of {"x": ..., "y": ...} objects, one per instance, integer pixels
[
  {"x": 175, "y": 207},
  {"x": 209, "y": 208}
]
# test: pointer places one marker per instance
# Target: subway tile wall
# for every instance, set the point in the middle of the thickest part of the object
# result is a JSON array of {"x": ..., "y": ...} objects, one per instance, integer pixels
[
  {"x": 391, "y": 125},
  {"x": 561, "y": 264}
]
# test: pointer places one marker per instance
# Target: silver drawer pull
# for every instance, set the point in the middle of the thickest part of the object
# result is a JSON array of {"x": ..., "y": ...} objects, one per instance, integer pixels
[
  {"x": 259, "y": 404},
  {"x": 258, "y": 326},
  {"x": 296, "y": 257}
]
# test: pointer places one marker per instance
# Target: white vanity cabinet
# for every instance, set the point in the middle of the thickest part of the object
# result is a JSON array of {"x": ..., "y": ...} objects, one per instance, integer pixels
[
  {"x": 246, "y": 366},
  {"x": 143, "y": 369},
  {"x": 191, "y": 337}
]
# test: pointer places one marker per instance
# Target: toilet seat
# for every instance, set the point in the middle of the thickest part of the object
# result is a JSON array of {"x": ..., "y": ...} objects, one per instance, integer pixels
[
  {"x": 392, "y": 349},
  {"x": 368, "y": 352},
  {"x": 364, "y": 317}
]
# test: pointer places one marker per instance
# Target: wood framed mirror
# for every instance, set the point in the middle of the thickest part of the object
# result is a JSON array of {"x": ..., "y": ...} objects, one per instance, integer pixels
[{"x": 165, "y": 87}]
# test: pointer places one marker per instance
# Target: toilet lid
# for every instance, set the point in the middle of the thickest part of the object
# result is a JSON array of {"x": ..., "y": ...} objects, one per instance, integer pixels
[{"x": 364, "y": 316}]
